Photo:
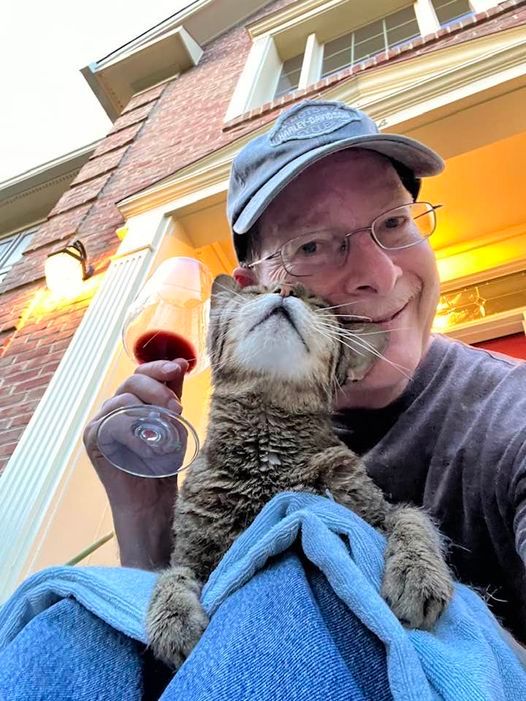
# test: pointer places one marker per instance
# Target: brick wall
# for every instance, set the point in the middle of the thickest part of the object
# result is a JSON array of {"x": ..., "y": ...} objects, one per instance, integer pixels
[{"x": 159, "y": 132}]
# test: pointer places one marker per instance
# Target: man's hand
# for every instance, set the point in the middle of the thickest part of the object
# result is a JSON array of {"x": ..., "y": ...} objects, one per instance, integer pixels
[{"x": 142, "y": 508}]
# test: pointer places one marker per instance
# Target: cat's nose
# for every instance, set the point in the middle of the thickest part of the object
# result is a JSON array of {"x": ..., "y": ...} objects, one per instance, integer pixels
[{"x": 284, "y": 289}]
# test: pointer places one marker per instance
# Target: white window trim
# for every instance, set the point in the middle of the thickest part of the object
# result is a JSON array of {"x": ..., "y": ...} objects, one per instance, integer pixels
[
  {"x": 312, "y": 62},
  {"x": 483, "y": 5},
  {"x": 261, "y": 72},
  {"x": 426, "y": 17}
]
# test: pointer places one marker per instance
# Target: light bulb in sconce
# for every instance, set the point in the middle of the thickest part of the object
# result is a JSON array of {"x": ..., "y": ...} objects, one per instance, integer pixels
[{"x": 67, "y": 269}]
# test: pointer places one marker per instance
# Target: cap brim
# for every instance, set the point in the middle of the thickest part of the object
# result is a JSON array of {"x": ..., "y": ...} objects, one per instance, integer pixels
[{"x": 422, "y": 161}]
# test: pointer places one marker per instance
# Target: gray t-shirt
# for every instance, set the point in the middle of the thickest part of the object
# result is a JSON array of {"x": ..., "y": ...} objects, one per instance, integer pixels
[{"x": 455, "y": 442}]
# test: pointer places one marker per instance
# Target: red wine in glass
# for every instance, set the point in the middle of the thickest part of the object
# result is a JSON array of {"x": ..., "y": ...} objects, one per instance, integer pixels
[
  {"x": 164, "y": 345},
  {"x": 146, "y": 440}
]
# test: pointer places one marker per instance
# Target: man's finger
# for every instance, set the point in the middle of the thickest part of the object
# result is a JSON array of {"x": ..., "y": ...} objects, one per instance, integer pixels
[
  {"x": 149, "y": 391},
  {"x": 176, "y": 383},
  {"x": 171, "y": 372}
]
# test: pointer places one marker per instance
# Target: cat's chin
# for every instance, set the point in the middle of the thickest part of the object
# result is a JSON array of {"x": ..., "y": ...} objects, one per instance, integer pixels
[{"x": 287, "y": 361}]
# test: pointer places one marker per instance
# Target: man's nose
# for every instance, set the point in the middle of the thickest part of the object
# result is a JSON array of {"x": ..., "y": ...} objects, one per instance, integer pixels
[{"x": 369, "y": 268}]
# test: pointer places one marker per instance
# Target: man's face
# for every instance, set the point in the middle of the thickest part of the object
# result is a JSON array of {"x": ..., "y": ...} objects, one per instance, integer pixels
[{"x": 344, "y": 192}]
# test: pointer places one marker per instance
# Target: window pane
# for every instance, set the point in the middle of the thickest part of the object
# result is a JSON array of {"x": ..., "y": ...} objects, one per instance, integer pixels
[
  {"x": 401, "y": 26},
  {"x": 449, "y": 10},
  {"x": 5, "y": 246},
  {"x": 369, "y": 40},
  {"x": 289, "y": 76},
  {"x": 368, "y": 47},
  {"x": 11, "y": 250},
  {"x": 336, "y": 54}
]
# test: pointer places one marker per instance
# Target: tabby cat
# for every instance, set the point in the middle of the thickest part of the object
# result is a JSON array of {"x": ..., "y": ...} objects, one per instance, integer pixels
[{"x": 278, "y": 356}]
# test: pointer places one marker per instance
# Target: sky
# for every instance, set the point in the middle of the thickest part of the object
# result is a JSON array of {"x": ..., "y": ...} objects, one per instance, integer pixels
[{"x": 47, "y": 108}]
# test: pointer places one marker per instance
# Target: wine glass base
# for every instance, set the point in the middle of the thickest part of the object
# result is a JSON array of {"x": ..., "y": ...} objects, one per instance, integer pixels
[{"x": 147, "y": 441}]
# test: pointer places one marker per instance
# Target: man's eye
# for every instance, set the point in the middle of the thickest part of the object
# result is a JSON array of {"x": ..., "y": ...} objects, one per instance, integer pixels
[
  {"x": 394, "y": 222},
  {"x": 309, "y": 248}
]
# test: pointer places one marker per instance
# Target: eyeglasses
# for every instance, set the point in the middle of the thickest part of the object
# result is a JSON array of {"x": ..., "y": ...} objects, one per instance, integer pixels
[{"x": 319, "y": 251}]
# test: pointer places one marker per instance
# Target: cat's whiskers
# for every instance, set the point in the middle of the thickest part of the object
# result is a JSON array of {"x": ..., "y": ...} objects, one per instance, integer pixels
[
  {"x": 230, "y": 290},
  {"x": 353, "y": 317},
  {"x": 349, "y": 317},
  {"x": 375, "y": 333},
  {"x": 340, "y": 334},
  {"x": 337, "y": 306},
  {"x": 329, "y": 333},
  {"x": 343, "y": 329}
]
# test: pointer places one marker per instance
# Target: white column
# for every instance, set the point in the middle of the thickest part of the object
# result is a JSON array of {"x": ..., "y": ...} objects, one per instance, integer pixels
[
  {"x": 312, "y": 61},
  {"x": 426, "y": 17},
  {"x": 31, "y": 478}
]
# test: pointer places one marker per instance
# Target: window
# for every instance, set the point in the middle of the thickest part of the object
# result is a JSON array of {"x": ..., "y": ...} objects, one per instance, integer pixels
[
  {"x": 305, "y": 41},
  {"x": 11, "y": 250},
  {"x": 367, "y": 41},
  {"x": 449, "y": 10},
  {"x": 494, "y": 296},
  {"x": 289, "y": 76}
]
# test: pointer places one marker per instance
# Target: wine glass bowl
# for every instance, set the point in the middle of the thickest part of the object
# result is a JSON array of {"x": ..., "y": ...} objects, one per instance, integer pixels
[{"x": 167, "y": 320}]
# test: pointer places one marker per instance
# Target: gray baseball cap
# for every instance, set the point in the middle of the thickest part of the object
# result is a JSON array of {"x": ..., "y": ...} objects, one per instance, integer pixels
[{"x": 302, "y": 135}]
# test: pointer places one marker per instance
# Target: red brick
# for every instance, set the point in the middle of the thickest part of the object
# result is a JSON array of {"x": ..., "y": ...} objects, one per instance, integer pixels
[
  {"x": 120, "y": 138},
  {"x": 12, "y": 435},
  {"x": 19, "y": 408},
  {"x": 145, "y": 97},
  {"x": 139, "y": 114},
  {"x": 17, "y": 377},
  {"x": 81, "y": 194},
  {"x": 27, "y": 353},
  {"x": 6, "y": 450},
  {"x": 41, "y": 381},
  {"x": 58, "y": 228},
  {"x": 21, "y": 419},
  {"x": 100, "y": 164}
]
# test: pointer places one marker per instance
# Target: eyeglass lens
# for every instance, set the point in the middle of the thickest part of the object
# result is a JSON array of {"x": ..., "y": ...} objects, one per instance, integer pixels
[{"x": 400, "y": 227}]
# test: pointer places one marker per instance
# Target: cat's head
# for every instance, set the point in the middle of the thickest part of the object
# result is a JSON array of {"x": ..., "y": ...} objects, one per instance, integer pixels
[{"x": 284, "y": 333}]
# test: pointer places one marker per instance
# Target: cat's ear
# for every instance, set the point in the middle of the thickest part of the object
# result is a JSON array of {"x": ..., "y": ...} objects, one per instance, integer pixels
[{"x": 224, "y": 284}]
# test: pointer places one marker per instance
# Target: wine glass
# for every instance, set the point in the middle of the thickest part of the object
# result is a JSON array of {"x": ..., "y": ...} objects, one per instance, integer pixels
[{"x": 167, "y": 320}]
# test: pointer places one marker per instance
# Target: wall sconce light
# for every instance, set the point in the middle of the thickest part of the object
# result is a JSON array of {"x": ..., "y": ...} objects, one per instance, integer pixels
[{"x": 67, "y": 269}]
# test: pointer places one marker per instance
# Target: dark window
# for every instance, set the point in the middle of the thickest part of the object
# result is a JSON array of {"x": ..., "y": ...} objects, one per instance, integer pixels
[
  {"x": 11, "y": 250},
  {"x": 449, "y": 10},
  {"x": 367, "y": 41},
  {"x": 289, "y": 76}
]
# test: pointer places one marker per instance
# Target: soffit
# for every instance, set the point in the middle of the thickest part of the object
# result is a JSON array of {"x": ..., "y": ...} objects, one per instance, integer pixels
[
  {"x": 162, "y": 52},
  {"x": 483, "y": 194},
  {"x": 115, "y": 80},
  {"x": 30, "y": 196}
]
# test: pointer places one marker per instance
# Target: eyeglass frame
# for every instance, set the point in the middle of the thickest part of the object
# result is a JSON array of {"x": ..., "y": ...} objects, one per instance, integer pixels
[{"x": 369, "y": 228}]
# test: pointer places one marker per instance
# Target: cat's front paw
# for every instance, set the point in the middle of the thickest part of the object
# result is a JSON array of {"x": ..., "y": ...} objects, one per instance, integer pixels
[
  {"x": 416, "y": 591},
  {"x": 176, "y": 620}
]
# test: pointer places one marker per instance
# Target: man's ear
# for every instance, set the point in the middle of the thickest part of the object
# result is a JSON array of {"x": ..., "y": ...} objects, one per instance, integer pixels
[{"x": 244, "y": 277}]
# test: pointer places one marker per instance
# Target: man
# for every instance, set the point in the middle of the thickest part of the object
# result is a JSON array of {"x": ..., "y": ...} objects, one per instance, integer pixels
[{"x": 440, "y": 424}]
